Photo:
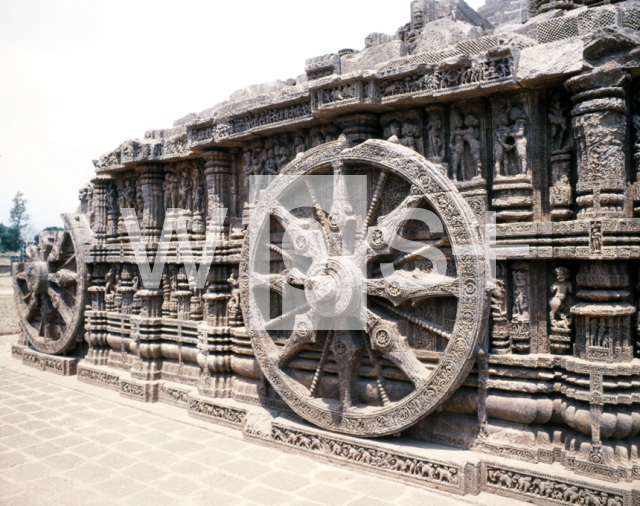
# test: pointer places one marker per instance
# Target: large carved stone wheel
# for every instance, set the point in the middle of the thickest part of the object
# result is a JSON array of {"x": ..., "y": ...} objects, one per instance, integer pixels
[
  {"x": 51, "y": 288},
  {"x": 383, "y": 378}
]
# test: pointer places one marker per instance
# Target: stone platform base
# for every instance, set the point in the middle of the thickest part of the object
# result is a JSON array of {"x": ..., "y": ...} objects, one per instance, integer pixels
[
  {"x": 63, "y": 366},
  {"x": 432, "y": 466}
]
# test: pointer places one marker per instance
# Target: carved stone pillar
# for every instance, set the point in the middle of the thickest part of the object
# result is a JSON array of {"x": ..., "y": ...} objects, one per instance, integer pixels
[
  {"x": 360, "y": 127},
  {"x": 150, "y": 303},
  {"x": 600, "y": 129},
  {"x": 500, "y": 326},
  {"x": 100, "y": 185},
  {"x": 216, "y": 304},
  {"x": 217, "y": 173},
  {"x": 183, "y": 297},
  {"x": 151, "y": 180},
  {"x": 603, "y": 319}
]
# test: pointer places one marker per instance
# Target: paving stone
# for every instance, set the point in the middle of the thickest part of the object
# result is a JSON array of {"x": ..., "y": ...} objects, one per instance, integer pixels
[
  {"x": 215, "y": 498},
  {"x": 383, "y": 490},
  {"x": 329, "y": 495},
  {"x": 177, "y": 485},
  {"x": 150, "y": 497},
  {"x": 118, "y": 487},
  {"x": 335, "y": 476},
  {"x": 117, "y": 461},
  {"x": 91, "y": 473},
  {"x": 182, "y": 447},
  {"x": 21, "y": 440},
  {"x": 189, "y": 468},
  {"x": 227, "y": 483},
  {"x": 297, "y": 464},
  {"x": 265, "y": 495},
  {"x": 246, "y": 468},
  {"x": 284, "y": 481},
  {"x": 8, "y": 430},
  {"x": 144, "y": 472},
  {"x": 212, "y": 457},
  {"x": 27, "y": 472},
  {"x": 43, "y": 450},
  {"x": 63, "y": 461}
]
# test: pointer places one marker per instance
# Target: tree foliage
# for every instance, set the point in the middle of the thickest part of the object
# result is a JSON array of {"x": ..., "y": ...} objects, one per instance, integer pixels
[{"x": 9, "y": 239}]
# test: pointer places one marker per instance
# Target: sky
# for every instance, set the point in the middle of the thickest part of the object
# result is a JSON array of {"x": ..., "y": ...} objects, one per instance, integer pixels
[{"x": 80, "y": 77}]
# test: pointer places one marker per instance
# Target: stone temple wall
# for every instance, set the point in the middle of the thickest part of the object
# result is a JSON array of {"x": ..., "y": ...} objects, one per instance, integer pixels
[{"x": 529, "y": 367}]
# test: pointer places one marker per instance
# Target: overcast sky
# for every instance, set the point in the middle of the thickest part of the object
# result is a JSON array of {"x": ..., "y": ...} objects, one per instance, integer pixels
[{"x": 81, "y": 76}]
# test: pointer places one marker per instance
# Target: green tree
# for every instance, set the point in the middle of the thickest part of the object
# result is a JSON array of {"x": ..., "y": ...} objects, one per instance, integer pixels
[
  {"x": 18, "y": 216},
  {"x": 9, "y": 239}
]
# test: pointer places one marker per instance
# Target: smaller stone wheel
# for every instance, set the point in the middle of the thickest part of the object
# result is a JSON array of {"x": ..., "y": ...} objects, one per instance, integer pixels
[{"x": 50, "y": 289}]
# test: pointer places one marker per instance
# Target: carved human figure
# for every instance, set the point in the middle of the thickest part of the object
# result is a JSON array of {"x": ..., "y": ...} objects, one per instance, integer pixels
[
  {"x": 560, "y": 291},
  {"x": 408, "y": 135},
  {"x": 456, "y": 145},
  {"x": 171, "y": 191},
  {"x": 198, "y": 198},
  {"x": 394, "y": 132},
  {"x": 471, "y": 137},
  {"x": 558, "y": 122},
  {"x": 283, "y": 156},
  {"x": 434, "y": 130},
  {"x": 300, "y": 145},
  {"x": 186, "y": 190},
  {"x": 271, "y": 165},
  {"x": 235, "y": 290},
  {"x": 498, "y": 300},
  {"x": 521, "y": 144},
  {"x": 112, "y": 198},
  {"x": 520, "y": 299},
  {"x": 500, "y": 145},
  {"x": 128, "y": 194},
  {"x": 139, "y": 199}
]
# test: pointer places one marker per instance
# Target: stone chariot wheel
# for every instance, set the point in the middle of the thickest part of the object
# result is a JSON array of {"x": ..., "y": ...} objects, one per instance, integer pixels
[
  {"x": 51, "y": 288},
  {"x": 417, "y": 341}
]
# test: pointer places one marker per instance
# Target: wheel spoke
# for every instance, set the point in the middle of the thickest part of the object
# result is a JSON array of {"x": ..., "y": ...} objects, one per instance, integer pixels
[
  {"x": 274, "y": 323},
  {"x": 400, "y": 289},
  {"x": 375, "y": 201},
  {"x": 347, "y": 349},
  {"x": 303, "y": 336},
  {"x": 60, "y": 305},
  {"x": 387, "y": 339},
  {"x": 421, "y": 322},
  {"x": 320, "y": 370}
]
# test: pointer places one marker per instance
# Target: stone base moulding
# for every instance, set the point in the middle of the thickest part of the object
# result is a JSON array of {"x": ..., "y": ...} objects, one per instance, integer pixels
[{"x": 63, "y": 366}]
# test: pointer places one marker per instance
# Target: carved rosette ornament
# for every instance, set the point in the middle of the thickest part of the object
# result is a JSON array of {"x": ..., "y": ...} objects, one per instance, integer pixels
[{"x": 332, "y": 397}]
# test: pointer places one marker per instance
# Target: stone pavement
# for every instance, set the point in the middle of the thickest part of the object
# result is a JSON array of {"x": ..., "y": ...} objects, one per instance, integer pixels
[{"x": 64, "y": 442}]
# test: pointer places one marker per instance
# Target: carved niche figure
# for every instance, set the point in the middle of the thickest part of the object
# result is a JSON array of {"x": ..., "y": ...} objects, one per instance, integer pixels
[
  {"x": 559, "y": 318},
  {"x": 558, "y": 122},
  {"x": 435, "y": 133},
  {"x": 139, "y": 199},
  {"x": 198, "y": 198},
  {"x": 186, "y": 190},
  {"x": 171, "y": 191},
  {"x": 500, "y": 145},
  {"x": 404, "y": 128},
  {"x": 112, "y": 198},
  {"x": 518, "y": 135},
  {"x": 128, "y": 195},
  {"x": 466, "y": 148},
  {"x": 300, "y": 145},
  {"x": 283, "y": 155},
  {"x": 520, "y": 296},
  {"x": 85, "y": 195}
]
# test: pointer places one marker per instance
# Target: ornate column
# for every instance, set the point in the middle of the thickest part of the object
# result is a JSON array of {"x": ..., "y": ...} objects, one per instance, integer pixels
[
  {"x": 151, "y": 181},
  {"x": 603, "y": 318},
  {"x": 217, "y": 173},
  {"x": 600, "y": 129},
  {"x": 100, "y": 185},
  {"x": 360, "y": 127}
]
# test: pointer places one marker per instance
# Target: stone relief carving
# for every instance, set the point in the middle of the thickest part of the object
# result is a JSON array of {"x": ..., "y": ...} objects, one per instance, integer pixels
[{"x": 553, "y": 161}]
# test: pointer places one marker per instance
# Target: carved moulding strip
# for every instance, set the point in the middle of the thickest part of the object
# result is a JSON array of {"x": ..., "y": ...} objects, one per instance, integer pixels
[
  {"x": 540, "y": 488},
  {"x": 97, "y": 376},
  {"x": 268, "y": 119},
  {"x": 170, "y": 393},
  {"x": 208, "y": 410},
  {"x": 142, "y": 391},
  {"x": 433, "y": 473},
  {"x": 496, "y": 67},
  {"x": 63, "y": 366}
]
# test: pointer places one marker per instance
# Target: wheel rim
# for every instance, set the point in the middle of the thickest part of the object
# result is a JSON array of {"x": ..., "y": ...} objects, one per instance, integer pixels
[
  {"x": 50, "y": 292},
  {"x": 384, "y": 344}
]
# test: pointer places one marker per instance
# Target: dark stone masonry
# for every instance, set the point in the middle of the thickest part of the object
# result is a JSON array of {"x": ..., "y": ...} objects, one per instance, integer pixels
[{"x": 517, "y": 373}]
